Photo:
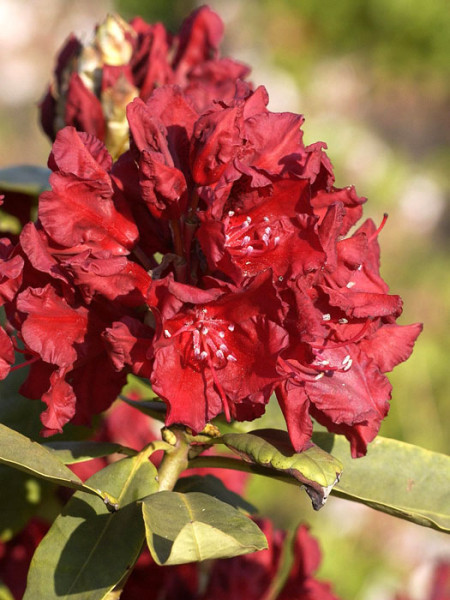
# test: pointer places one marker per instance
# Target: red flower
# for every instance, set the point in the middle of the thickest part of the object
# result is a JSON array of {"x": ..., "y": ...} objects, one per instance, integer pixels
[
  {"x": 218, "y": 352},
  {"x": 94, "y": 83}
]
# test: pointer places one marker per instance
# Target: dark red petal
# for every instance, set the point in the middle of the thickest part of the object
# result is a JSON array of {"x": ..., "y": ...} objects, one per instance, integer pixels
[
  {"x": 52, "y": 328},
  {"x": 391, "y": 344},
  {"x": 81, "y": 154},
  {"x": 6, "y": 353},
  {"x": 129, "y": 343},
  {"x": 77, "y": 212},
  {"x": 83, "y": 109},
  {"x": 294, "y": 404},
  {"x": 198, "y": 40},
  {"x": 60, "y": 401}
]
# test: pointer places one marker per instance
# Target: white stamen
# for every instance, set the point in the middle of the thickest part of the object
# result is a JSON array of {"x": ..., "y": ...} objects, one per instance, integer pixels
[
  {"x": 266, "y": 219},
  {"x": 203, "y": 355},
  {"x": 231, "y": 327},
  {"x": 276, "y": 240},
  {"x": 227, "y": 237},
  {"x": 267, "y": 230},
  {"x": 231, "y": 213},
  {"x": 326, "y": 317},
  {"x": 231, "y": 358},
  {"x": 323, "y": 363},
  {"x": 281, "y": 278},
  {"x": 359, "y": 267},
  {"x": 346, "y": 359},
  {"x": 249, "y": 249},
  {"x": 248, "y": 219},
  {"x": 319, "y": 376},
  {"x": 167, "y": 333},
  {"x": 348, "y": 365},
  {"x": 343, "y": 321},
  {"x": 350, "y": 284},
  {"x": 222, "y": 334},
  {"x": 220, "y": 354},
  {"x": 246, "y": 240},
  {"x": 205, "y": 330},
  {"x": 265, "y": 239},
  {"x": 223, "y": 347}
]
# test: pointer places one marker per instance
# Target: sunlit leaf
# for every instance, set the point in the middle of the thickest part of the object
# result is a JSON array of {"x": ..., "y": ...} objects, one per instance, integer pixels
[
  {"x": 182, "y": 528},
  {"x": 317, "y": 470},
  {"x": 397, "y": 478},
  {"x": 88, "y": 550},
  {"x": 18, "y": 451}
]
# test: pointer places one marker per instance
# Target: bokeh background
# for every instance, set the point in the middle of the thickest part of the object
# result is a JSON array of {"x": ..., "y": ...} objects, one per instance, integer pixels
[{"x": 372, "y": 79}]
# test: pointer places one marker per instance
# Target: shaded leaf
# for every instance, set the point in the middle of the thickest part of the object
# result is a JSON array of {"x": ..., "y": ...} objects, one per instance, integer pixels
[
  {"x": 151, "y": 408},
  {"x": 213, "y": 486},
  {"x": 200, "y": 527},
  {"x": 69, "y": 452},
  {"x": 314, "y": 468},
  {"x": 18, "y": 451},
  {"x": 88, "y": 550},
  {"x": 400, "y": 479},
  {"x": 27, "y": 179}
]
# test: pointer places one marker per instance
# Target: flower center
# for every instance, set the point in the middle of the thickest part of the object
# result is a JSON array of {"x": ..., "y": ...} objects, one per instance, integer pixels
[
  {"x": 207, "y": 340},
  {"x": 245, "y": 238}
]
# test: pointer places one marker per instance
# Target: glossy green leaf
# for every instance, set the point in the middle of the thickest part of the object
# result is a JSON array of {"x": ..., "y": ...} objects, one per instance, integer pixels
[
  {"x": 74, "y": 452},
  {"x": 314, "y": 468},
  {"x": 213, "y": 486},
  {"x": 182, "y": 528},
  {"x": 397, "y": 478},
  {"x": 27, "y": 179},
  {"x": 18, "y": 451},
  {"x": 88, "y": 550}
]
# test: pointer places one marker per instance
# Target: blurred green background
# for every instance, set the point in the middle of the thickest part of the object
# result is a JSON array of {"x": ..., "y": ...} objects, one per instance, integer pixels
[{"x": 372, "y": 79}]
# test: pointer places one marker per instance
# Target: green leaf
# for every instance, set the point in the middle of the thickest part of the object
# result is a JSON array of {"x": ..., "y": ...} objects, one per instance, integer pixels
[
  {"x": 27, "y": 179},
  {"x": 152, "y": 408},
  {"x": 88, "y": 550},
  {"x": 18, "y": 451},
  {"x": 397, "y": 478},
  {"x": 213, "y": 486},
  {"x": 69, "y": 452},
  {"x": 315, "y": 469},
  {"x": 200, "y": 527}
]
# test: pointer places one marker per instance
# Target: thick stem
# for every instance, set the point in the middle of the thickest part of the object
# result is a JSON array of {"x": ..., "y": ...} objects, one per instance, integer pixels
[{"x": 173, "y": 463}]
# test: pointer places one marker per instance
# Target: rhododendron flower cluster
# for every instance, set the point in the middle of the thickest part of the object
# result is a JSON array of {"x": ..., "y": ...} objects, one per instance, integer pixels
[{"x": 215, "y": 258}]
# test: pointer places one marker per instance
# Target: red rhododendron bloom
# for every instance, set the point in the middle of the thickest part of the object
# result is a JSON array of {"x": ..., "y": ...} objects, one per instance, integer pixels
[{"x": 213, "y": 258}]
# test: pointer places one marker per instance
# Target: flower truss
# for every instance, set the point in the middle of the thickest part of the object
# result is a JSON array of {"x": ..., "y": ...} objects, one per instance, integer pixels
[{"x": 214, "y": 258}]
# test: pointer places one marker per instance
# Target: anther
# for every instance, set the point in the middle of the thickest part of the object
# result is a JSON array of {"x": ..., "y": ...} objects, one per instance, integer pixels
[
  {"x": 342, "y": 321},
  {"x": 231, "y": 358},
  {"x": 231, "y": 327},
  {"x": 326, "y": 317},
  {"x": 167, "y": 333},
  {"x": 350, "y": 284}
]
